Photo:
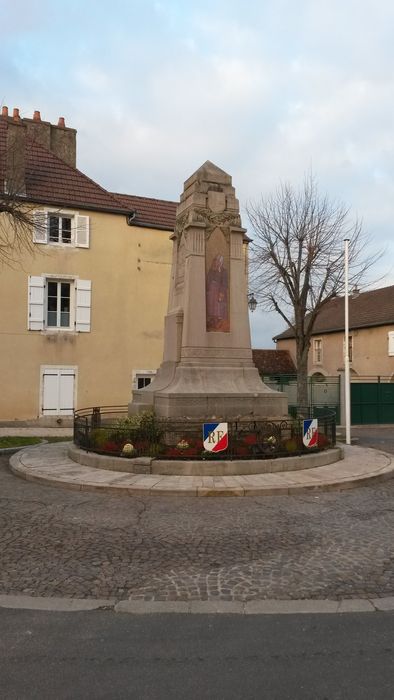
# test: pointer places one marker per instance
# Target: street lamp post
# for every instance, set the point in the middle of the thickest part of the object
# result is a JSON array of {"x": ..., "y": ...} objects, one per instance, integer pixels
[{"x": 347, "y": 362}]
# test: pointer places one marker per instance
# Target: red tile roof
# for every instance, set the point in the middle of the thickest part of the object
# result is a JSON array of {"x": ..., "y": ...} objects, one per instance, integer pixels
[
  {"x": 150, "y": 212},
  {"x": 373, "y": 308},
  {"x": 270, "y": 362},
  {"x": 49, "y": 180}
]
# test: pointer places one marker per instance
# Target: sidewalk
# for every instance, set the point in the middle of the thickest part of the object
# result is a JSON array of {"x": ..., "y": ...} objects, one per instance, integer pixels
[
  {"x": 35, "y": 431},
  {"x": 50, "y": 464}
]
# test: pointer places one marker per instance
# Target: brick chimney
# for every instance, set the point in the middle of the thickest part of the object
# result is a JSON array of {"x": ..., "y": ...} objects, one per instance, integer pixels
[
  {"x": 39, "y": 130},
  {"x": 15, "y": 166},
  {"x": 64, "y": 142},
  {"x": 56, "y": 138}
]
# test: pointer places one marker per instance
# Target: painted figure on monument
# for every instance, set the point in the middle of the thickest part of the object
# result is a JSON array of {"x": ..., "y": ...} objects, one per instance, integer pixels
[
  {"x": 217, "y": 296},
  {"x": 217, "y": 287}
]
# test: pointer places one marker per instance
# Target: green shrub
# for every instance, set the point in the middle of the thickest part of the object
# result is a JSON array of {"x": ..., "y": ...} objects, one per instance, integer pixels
[
  {"x": 140, "y": 427},
  {"x": 99, "y": 436},
  {"x": 292, "y": 445}
]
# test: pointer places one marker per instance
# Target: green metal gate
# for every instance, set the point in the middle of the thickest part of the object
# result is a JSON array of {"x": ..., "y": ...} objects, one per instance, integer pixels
[{"x": 372, "y": 402}]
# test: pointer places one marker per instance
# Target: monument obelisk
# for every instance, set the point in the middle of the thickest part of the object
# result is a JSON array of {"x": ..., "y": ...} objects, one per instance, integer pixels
[{"x": 207, "y": 370}]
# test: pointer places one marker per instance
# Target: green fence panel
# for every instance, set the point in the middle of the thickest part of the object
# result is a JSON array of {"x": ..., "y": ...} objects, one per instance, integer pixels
[{"x": 372, "y": 403}]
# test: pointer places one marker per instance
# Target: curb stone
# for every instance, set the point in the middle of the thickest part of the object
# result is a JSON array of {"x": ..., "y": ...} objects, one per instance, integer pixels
[
  {"x": 51, "y": 465},
  {"x": 27, "y": 602},
  {"x": 306, "y": 606}
]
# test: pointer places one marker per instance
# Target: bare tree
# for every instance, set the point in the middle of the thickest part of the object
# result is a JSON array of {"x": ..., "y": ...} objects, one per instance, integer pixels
[
  {"x": 16, "y": 226},
  {"x": 297, "y": 260}
]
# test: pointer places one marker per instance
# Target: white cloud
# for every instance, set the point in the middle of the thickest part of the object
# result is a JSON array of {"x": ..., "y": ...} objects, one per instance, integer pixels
[{"x": 266, "y": 90}]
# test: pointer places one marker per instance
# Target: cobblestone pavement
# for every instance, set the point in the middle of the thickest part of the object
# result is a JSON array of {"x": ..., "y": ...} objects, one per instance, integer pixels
[{"x": 68, "y": 543}]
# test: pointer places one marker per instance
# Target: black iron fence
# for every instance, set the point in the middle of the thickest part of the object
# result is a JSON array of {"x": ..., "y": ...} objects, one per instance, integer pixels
[
  {"x": 323, "y": 392},
  {"x": 109, "y": 430}
]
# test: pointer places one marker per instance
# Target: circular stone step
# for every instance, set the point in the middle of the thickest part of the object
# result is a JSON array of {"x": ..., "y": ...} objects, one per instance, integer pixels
[{"x": 147, "y": 465}]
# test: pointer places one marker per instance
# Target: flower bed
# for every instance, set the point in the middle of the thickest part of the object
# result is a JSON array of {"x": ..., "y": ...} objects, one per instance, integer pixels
[{"x": 145, "y": 435}]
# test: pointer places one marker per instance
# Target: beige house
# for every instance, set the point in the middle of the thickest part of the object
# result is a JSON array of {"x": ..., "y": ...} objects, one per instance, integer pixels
[
  {"x": 371, "y": 337},
  {"x": 81, "y": 319}
]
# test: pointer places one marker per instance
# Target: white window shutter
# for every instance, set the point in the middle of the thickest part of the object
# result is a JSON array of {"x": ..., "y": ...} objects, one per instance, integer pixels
[
  {"x": 391, "y": 342},
  {"x": 66, "y": 392},
  {"x": 82, "y": 226},
  {"x": 83, "y": 295},
  {"x": 36, "y": 303},
  {"x": 40, "y": 226}
]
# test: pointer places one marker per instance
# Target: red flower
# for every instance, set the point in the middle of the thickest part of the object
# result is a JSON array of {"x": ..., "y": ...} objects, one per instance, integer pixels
[
  {"x": 322, "y": 440},
  {"x": 250, "y": 439},
  {"x": 111, "y": 447}
]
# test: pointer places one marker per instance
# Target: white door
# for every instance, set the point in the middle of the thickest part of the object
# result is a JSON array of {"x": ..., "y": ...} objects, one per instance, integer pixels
[{"x": 58, "y": 391}]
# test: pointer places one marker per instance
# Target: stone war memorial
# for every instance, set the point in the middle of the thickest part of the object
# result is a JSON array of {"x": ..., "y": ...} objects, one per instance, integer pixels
[
  {"x": 207, "y": 371},
  {"x": 207, "y": 401}
]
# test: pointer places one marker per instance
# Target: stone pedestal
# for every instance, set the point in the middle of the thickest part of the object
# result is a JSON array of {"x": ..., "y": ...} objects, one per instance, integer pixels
[{"x": 207, "y": 370}]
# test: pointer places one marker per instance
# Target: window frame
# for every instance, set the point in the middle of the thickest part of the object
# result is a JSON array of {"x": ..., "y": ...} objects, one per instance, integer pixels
[
  {"x": 351, "y": 347},
  {"x": 390, "y": 343},
  {"x": 71, "y": 311},
  {"x": 143, "y": 374},
  {"x": 317, "y": 351},
  {"x": 61, "y": 217}
]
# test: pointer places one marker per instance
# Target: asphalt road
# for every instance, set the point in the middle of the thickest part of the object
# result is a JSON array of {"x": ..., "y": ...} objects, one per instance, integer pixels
[
  {"x": 379, "y": 437},
  {"x": 104, "y": 656}
]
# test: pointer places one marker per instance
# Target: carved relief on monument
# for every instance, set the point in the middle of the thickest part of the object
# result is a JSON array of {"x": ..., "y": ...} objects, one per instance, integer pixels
[
  {"x": 180, "y": 262},
  {"x": 217, "y": 283},
  {"x": 213, "y": 220},
  {"x": 198, "y": 242},
  {"x": 236, "y": 245}
]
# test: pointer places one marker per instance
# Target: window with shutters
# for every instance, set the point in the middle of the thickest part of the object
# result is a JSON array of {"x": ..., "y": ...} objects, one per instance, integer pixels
[
  {"x": 59, "y": 304},
  {"x": 60, "y": 228}
]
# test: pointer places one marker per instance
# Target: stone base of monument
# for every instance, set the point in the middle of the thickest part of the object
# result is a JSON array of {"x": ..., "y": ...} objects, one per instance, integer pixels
[
  {"x": 208, "y": 392},
  {"x": 206, "y": 407},
  {"x": 147, "y": 465}
]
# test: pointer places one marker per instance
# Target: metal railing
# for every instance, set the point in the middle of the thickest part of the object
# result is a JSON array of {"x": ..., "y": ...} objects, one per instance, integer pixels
[
  {"x": 108, "y": 430},
  {"x": 322, "y": 391}
]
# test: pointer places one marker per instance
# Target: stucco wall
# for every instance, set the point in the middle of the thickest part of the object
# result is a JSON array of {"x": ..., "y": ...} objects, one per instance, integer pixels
[
  {"x": 129, "y": 268},
  {"x": 370, "y": 352}
]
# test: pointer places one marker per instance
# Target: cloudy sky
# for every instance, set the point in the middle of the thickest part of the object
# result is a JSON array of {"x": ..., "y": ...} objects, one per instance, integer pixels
[{"x": 266, "y": 89}]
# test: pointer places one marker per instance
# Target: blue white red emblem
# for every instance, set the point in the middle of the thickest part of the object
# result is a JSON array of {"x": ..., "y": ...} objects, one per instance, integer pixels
[
  {"x": 215, "y": 436},
  {"x": 310, "y": 432}
]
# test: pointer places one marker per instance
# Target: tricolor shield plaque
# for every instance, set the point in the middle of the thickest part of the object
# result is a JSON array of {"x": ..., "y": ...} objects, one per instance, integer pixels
[
  {"x": 310, "y": 432},
  {"x": 215, "y": 436}
]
